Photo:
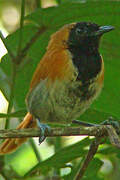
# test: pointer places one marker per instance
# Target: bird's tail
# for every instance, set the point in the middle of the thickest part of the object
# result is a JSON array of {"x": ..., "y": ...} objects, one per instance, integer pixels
[{"x": 11, "y": 144}]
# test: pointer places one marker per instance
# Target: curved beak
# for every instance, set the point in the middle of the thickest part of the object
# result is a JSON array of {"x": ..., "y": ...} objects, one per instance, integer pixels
[{"x": 104, "y": 29}]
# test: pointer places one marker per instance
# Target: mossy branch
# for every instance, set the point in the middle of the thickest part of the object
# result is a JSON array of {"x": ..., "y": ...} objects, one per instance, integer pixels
[
  {"x": 97, "y": 131},
  {"x": 64, "y": 131}
]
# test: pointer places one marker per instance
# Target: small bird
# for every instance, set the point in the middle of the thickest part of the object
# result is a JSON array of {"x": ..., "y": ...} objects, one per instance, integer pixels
[{"x": 67, "y": 80}]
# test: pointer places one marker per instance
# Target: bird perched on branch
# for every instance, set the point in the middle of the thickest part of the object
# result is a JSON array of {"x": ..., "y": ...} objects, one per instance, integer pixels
[{"x": 67, "y": 79}]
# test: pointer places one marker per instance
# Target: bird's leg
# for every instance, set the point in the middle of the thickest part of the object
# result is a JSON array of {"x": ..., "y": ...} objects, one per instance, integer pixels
[
  {"x": 43, "y": 127},
  {"x": 86, "y": 124}
]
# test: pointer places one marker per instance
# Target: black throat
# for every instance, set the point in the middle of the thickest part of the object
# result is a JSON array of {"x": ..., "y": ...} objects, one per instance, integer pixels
[{"x": 86, "y": 58}]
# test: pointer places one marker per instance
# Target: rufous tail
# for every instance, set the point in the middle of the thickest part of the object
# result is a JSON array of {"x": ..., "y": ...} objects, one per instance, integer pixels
[{"x": 11, "y": 144}]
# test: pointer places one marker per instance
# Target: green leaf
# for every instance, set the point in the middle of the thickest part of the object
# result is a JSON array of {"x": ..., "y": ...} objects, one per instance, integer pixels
[
  {"x": 55, "y": 17},
  {"x": 96, "y": 116},
  {"x": 92, "y": 170},
  {"x": 63, "y": 156},
  {"x": 109, "y": 100},
  {"x": 25, "y": 70},
  {"x": 108, "y": 104},
  {"x": 20, "y": 113},
  {"x": 76, "y": 11},
  {"x": 22, "y": 160},
  {"x": 74, "y": 171}
]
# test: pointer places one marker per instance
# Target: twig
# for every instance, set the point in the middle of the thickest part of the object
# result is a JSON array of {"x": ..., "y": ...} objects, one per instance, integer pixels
[
  {"x": 14, "y": 66},
  {"x": 113, "y": 136},
  {"x": 20, "y": 113},
  {"x": 21, "y": 26},
  {"x": 4, "y": 175},
  {"x": 97, "y": 131},
  {"x": 13, "y": 78},
  {"x": 57, "y": 147},
  {"x": 18, "y": 59},
  {"x": 35, "y": 149},
  {"x": 92, "y": 151},
  {"x": 38, "y": 3},
  {"x": 58, "y": 1},
  {"x": 64, "y": 131},
  {"x": 24, "y": 51}
]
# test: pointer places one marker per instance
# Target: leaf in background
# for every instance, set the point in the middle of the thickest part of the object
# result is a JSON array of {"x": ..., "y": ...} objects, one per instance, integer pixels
[
  {"x": 74, "y": 171},
  {"x": 25, "y": 72},
  {"x": 20, "y": 113},
  {"x": 101, "y": 12},
  {"x": 55, "y": 17},
  {"x": 96, "y": 116},
  {"x": 63, "y": 156},
  {"x": 92, "y": 170},
  {"x": 109, "y": 101},
  {"x": 22, "y": 160}
]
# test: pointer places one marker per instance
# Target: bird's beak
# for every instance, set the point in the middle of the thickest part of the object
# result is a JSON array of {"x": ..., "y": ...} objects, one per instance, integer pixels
[{"x": 104, "y": 29}]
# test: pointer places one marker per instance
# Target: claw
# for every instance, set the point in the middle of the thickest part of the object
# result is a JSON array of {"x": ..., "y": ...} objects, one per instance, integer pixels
[
  {"x": 113, "y": 122},
  {"x": 43, "y": 128}
]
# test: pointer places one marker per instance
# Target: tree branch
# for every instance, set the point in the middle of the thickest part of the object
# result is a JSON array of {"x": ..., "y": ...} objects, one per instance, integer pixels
[
  {"x": 64, "y": 131},
  {"x": 90, "y": 155},
  {"x": 97, "y": 131}
]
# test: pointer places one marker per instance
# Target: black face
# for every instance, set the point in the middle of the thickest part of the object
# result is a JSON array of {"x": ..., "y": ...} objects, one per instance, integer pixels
[
  {"x": 82, "y": 32},
  {"x": 83, "y": 45},
  {"x": 84, "y": 29},
  {"x": 87, "y": 35}
]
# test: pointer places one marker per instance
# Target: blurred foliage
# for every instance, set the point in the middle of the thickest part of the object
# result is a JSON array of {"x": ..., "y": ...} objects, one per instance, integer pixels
[{"x": 23, "y": 163}]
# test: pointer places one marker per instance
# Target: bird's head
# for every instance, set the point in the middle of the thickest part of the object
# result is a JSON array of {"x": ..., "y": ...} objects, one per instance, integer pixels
[{"x": 86, "y": 34}]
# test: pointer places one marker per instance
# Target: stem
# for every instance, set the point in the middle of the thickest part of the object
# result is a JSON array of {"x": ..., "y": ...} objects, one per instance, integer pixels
[
  {"x": 38, "y": 3},
  {"x": 58, "y": 144},
  {"x": 29, "y": 44},
  {"x": 4, "y": 175},
  {"x": 21, "y": 26},
  {"x": 35, "y": 149},
  {"x": 15, "y": 114},
  {"x": 58, "y": 1},
  {"x": 57, "y": 147},
  {"x": 92, "y": 151},
  {"x": 13, "y": 76}
]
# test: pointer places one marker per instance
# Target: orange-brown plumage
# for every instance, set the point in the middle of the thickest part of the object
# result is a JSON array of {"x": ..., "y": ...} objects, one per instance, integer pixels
[
  {"x": 67, "y": 79},
  {"x": 55, "y": 63}
]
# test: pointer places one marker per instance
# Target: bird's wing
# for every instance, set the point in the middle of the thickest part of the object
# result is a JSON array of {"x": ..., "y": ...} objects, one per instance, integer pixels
[{"x": 54, "y": 65}]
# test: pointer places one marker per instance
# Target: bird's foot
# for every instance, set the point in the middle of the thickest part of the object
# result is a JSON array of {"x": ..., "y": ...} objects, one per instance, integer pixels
[
  {"x": 43, "y": 128},
  {"x": 111, "y": 121}
]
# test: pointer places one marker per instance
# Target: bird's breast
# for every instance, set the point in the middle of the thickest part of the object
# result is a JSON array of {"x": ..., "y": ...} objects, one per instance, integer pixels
[
  {"x": 65, "y": 97},
  {"x": 62, "y": 102}
]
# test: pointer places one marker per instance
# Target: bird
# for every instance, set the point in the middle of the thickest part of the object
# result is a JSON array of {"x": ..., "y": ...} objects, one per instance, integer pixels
[{"x": 68, "y": 78}]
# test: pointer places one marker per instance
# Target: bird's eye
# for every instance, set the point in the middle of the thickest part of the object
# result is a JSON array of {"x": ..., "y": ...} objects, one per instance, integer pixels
[{"x": 78, "y": 31}]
